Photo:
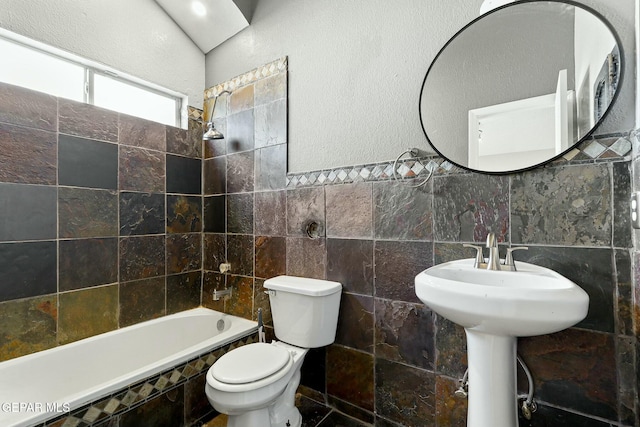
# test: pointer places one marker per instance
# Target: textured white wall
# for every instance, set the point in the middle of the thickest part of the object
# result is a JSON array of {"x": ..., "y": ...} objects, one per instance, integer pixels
[
  {"x": 135, "y": 37},
  {"x": 356, "y": 68}
]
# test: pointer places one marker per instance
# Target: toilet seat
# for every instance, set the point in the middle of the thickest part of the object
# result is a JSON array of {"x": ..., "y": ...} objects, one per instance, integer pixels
[{"x": 251, "y": 363}]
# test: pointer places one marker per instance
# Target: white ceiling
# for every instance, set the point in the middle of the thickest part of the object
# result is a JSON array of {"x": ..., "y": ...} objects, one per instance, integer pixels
[{"x": 223, "y": 19}]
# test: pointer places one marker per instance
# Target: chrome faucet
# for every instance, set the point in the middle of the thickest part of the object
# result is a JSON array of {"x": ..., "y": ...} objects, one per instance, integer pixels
[
  {"x": 226, "y": 292},
  {"x": 494, "y": 256},
  {"x": 493, "y": 263}
]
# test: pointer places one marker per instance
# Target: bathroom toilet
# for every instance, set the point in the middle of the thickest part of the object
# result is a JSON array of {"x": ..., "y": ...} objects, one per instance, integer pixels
[{"x": 255, "y": 384}]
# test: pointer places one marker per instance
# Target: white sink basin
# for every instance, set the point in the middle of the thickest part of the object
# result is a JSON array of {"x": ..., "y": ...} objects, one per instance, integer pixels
[
  {"x": 495, "y": 307},
  {"x": 531, "y": 301}
]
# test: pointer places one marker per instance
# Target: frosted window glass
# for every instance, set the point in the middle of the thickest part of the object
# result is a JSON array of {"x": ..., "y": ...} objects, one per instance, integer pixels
[
  {"x": 22, "y": 66},
  {"x": 129, "y": 99}
]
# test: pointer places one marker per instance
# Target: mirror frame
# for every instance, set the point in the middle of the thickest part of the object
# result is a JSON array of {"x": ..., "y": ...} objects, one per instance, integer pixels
[{"x": 574, "y": 144}]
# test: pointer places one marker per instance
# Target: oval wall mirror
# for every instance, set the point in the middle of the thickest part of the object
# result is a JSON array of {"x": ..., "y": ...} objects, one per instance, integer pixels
[{"x": 520, "y": 86}]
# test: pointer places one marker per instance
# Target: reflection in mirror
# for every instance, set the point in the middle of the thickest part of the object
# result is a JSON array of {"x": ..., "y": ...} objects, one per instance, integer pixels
[{"x": 520, "y": 86}]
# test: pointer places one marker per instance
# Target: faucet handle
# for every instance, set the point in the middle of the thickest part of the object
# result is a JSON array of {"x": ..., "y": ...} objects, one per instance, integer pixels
[
  {"x": 479, "y": 262},
  {"x": 508, "y": 260}
]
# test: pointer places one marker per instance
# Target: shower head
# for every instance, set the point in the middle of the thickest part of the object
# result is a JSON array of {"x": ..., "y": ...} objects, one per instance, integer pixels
[{"x": 212, "y": 133}]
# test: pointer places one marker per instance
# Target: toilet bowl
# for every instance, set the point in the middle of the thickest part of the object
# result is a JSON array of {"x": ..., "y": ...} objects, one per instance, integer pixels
[{"x": 255, "y": 384}]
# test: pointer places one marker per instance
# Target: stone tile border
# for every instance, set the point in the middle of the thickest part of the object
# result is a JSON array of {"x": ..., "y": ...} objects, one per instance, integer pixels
[
  {"x": 600, "y": 149},
  {"x": 249, "y": 77}
]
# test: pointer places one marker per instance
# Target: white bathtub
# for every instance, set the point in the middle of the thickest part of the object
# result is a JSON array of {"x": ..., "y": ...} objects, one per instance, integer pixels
[{"x": 69, "y": 376}]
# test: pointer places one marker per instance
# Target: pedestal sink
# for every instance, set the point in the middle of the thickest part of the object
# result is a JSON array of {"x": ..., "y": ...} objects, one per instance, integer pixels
[{"x": 496, "y": 307}]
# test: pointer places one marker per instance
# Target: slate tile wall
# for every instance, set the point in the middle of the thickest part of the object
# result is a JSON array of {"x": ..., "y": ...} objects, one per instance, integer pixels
[
  {"x": 244, "y": 197},
  {"x": 565, "y": 214},
  {"x": 395, "y": 362},
  {"x": 100, "y": 220}
]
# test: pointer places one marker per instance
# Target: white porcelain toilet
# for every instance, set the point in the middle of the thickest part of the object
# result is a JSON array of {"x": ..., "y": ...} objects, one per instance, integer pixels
[{"x": 255, "y": 384}]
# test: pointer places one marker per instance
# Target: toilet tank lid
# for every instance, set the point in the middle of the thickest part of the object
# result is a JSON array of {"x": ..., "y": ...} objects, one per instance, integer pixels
[{"x": 303, "y": 285}]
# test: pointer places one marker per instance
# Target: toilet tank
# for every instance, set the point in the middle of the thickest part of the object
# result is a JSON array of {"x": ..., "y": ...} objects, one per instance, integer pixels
[{"x": 304, "y": 311}]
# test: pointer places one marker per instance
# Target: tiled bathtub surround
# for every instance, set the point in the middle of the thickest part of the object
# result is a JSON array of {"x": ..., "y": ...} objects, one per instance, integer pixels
[
  {"x": 100, "y": 221},
  {"x": 173, "y": 398},
  {"x": 395, "y": 362},
  {"x": 244, "y": 174}
]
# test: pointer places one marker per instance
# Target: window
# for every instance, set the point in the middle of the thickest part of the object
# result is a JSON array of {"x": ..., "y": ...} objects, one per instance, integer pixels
[
  {"x": 27, "y": 67},
  {"x": 45, "y": 69},
  {"x": 125, "y": 97}
]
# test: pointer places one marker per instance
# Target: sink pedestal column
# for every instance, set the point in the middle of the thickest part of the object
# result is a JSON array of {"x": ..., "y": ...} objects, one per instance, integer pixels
[{"x": 492, "y": 380}]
